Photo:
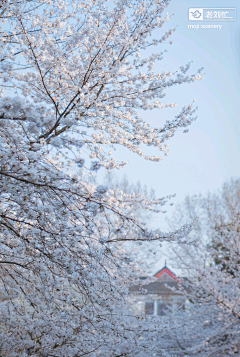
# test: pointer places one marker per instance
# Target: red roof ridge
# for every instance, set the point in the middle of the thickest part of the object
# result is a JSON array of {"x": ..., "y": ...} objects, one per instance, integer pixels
[{"x": 165, "y": 269}]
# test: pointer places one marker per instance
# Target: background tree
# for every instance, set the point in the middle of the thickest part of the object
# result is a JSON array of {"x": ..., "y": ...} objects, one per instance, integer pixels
[
  {"x": 141, "y": 249},
  {"x": 212, "y": 214},
  {"x": 212, "y": 268}
]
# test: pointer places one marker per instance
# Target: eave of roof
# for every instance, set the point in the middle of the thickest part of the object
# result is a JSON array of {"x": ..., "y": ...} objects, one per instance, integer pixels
[{"x": 161, "y": 288}]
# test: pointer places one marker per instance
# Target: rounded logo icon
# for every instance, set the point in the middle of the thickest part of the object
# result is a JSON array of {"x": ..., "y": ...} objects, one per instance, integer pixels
[{"x": 196, "y": 14}]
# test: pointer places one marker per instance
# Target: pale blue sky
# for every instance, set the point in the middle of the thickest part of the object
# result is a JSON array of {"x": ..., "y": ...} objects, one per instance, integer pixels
[{"x": 209, "y": 153}]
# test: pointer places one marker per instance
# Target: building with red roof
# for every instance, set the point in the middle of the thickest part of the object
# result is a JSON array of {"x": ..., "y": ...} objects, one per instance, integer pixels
[{"x": 155, "y": 295}]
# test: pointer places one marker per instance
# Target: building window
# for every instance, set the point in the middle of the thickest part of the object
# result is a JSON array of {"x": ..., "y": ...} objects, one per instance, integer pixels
[
  {"x": 181, "y": 306},
  {"x": 149, "y": 308},
  {"x": 163, "y": 307}
]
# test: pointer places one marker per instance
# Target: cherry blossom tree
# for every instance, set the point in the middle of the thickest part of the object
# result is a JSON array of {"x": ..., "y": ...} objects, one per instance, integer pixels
[
  {"x": 80, "y": 82},
  {"x": 210, "y": 326}
]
